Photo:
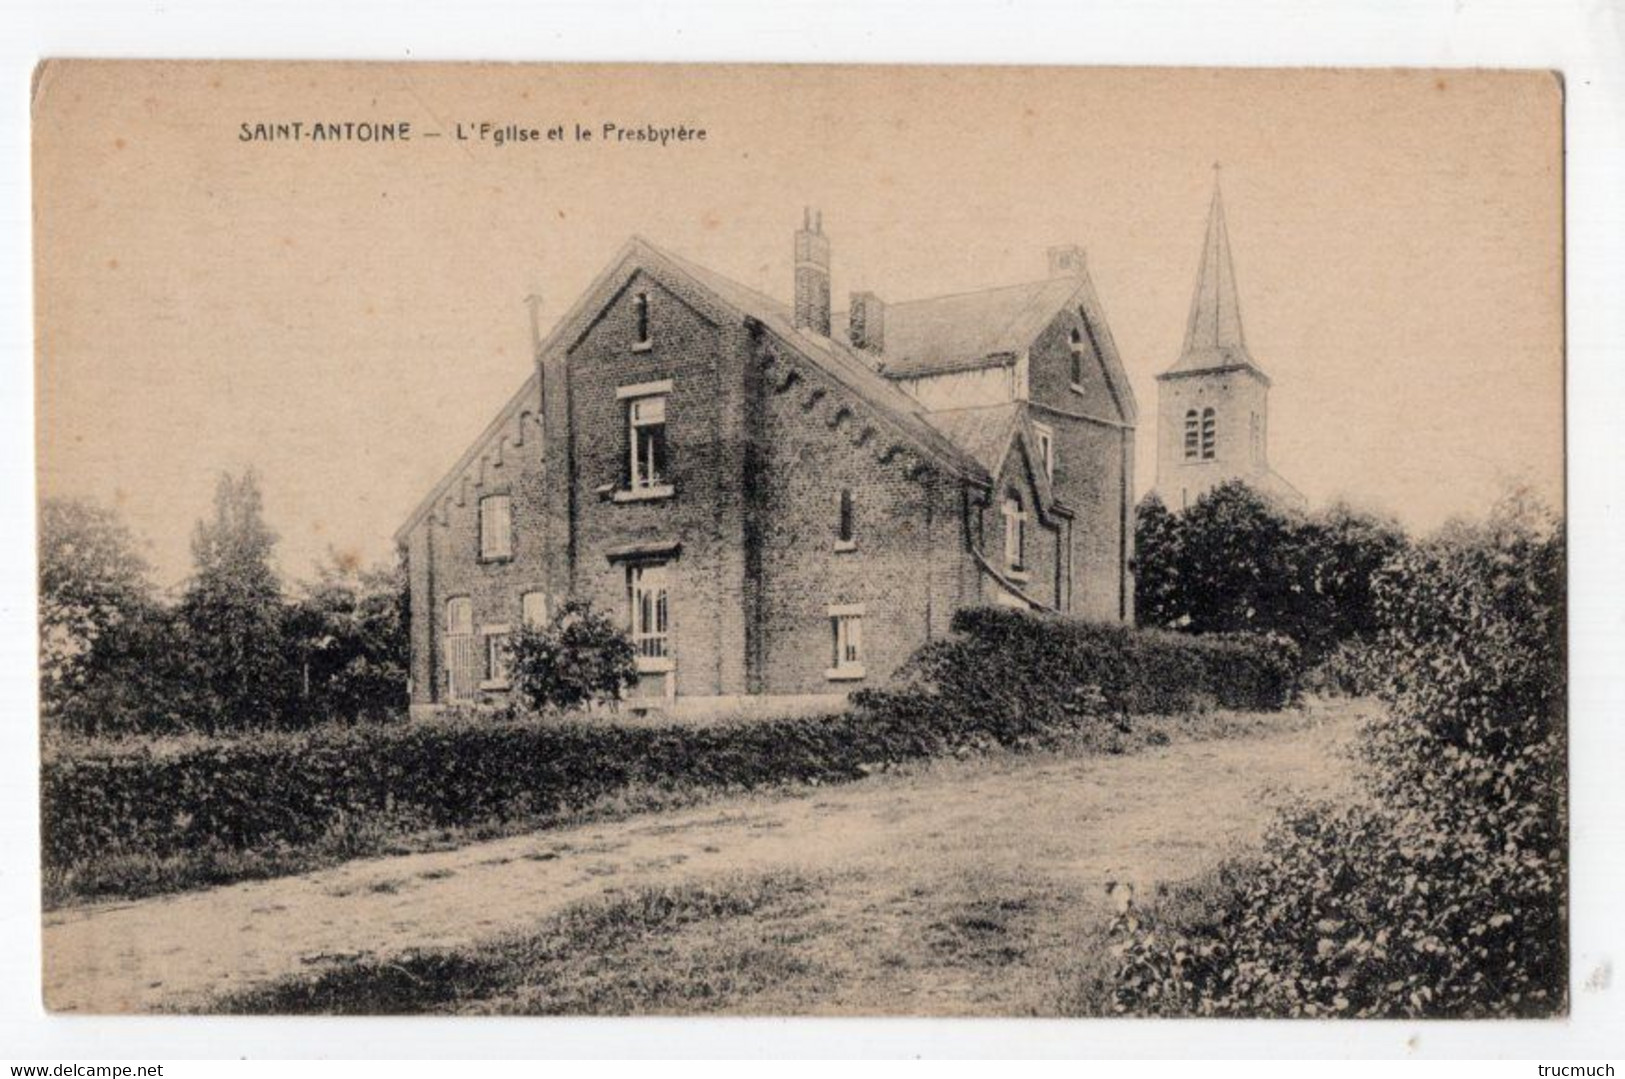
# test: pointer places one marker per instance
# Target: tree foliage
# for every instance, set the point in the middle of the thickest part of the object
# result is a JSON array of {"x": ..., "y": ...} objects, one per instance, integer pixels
[
  {"x": 346, "y": 632},
  {"x": 1235, "y": 561},
  {"x": 232, "y": 609},
  {"x": 1443, "y": 893}
]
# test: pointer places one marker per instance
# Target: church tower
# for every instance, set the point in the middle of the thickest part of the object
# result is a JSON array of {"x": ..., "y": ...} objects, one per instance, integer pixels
[{"x": 1213, "y": 404}]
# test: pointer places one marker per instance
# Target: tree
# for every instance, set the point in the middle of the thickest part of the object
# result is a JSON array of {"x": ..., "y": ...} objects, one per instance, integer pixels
[
  {"x": 347, "y": 634},
  {"x": 232, "y": 612},
  {"x": 1236, "y": 561},
  {"x": 1157, "y": 585},
  {"x": 94, "y": 593},
  {"x": 581, "y": 657}
]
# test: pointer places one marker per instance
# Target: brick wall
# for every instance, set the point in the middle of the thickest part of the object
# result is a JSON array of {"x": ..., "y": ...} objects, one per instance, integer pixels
[
  {"x": 906, "y": 565},
  {"x": 1093, "y": 467}
]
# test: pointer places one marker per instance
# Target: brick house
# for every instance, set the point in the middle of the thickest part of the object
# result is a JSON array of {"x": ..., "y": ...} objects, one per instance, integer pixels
[{"x": 770, "y": 509}]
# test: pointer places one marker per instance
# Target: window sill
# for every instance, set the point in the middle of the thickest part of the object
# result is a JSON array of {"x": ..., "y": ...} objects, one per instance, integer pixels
[
  {"x": 494, "y": 559},
  {"x": 655, "y": 665},
  {"x": 496, "y": 684},
  {"x": 642, "y": 346},
  {"x": 1020, "y": 576},
  {"x": 845, "y": 546},
  {"x": 645, "y": 494},
  {"x": 853, "y": 673}
]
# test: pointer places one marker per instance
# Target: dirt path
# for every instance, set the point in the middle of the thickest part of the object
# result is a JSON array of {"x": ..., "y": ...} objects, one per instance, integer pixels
[{"x": 1157, "y": 816}]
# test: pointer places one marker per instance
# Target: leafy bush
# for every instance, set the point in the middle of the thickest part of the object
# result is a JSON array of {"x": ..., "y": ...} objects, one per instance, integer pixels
[
  {"x": 579, "y": 658},
  {"x": 1005, "y": 678},
  {"x": 1444, "y": 894},
  {"x": 1352, "y": 669}
]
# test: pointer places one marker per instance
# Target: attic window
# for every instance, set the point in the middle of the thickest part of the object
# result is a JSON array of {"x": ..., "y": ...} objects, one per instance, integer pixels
[
  {"x": 496, "y": 527},
  {"x": 1077, "y": 356},
  {"x": 640, "y": 308}
]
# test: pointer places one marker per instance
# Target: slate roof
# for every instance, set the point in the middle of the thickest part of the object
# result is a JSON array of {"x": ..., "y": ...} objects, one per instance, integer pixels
[{"x": 961, "y": 332}]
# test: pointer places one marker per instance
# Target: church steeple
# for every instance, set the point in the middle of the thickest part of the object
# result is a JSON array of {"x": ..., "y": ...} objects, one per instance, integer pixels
[{"x": 1213, "y": 334}]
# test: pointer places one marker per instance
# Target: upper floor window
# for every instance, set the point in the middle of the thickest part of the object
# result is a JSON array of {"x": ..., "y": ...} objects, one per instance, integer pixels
[
  {"x": 1193, "y": 435},
  {"x": 459, "y": 616},
  {"x": 1046, "y": 448},
  {"x": 646, "y": 420},
  {"x": 1015, "y": 532},
  {"x": 533, "y": 609},
  {"x": 1077, "y": 356},
  {"x": 496, "y": 526},
  {"x": 640, "y": 309},
  {"x": 845, "y": 536},
  {"x": 1210, "y": 434},
  {"x": 649, "y": 589}
]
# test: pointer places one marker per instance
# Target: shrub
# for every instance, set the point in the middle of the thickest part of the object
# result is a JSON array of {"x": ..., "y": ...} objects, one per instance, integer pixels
[
  {"x": 1005, "y": 678},
  {"x": 579, "y": 658},
  {"x": 1444, "y": 894}
]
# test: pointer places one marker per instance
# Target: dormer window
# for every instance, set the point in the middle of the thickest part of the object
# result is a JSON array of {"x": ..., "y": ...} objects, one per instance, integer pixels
[
  {"x": 1046, "y": 449},
  {"x": 1015, "y": 533},
  {"x": 640, "y": 311}
]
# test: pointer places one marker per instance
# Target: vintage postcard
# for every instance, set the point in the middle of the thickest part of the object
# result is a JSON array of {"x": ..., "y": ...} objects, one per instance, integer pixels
[{"x": 823, "y": 540}]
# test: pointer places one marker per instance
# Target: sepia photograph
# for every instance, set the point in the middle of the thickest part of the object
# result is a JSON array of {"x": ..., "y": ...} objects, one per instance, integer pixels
[{"x": 801, "y": 540}]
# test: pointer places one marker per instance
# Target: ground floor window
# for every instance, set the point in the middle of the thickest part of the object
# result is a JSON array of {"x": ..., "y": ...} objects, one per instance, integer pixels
[
  {"x": 496, "y": 655},
  {"x": 650, "y": 590},
  {"x": 846, "y": 629},
  {"x": 533, "y": 609}
]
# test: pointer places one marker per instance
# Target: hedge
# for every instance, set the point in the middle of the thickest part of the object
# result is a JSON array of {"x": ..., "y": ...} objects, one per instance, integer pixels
[{"x": 1003, "y": 678}]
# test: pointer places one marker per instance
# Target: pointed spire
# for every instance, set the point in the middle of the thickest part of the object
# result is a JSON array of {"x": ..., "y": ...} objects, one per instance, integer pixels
[{"x": 1213, "y": 336}]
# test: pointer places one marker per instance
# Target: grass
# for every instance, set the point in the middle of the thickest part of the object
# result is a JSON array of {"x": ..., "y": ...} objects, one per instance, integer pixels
[{"x": 655, "y": 950}]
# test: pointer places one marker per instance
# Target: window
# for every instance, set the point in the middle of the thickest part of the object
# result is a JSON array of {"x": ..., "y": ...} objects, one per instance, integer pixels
[
  {"x": 1046, "y": 448},
  {"x": 646, "y": 418},
  {"x": 1192, "y": 435},
  {"x": 1258, "y": 439},
  {"x": 1077, "y": 357},
  {"x": 640, "y": 306},
  {"x": 533, "y": 609},
  {"x": 459, "y": 616},
  {"x": 1015, "y": 532},
  {"x": 461, "y": 650},
  {"x": 844, "y": 536},
  {"x": 496, "y": 527},
  {"x": 651, "y": 613},
  {"x": 496, "y": 655},
  {"x": 846, "y": 628},
  {"x": 1210, "y": 434}
]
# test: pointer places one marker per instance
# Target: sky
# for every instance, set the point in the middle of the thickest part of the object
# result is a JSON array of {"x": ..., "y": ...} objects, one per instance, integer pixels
[{"x": 345, "y": 317}]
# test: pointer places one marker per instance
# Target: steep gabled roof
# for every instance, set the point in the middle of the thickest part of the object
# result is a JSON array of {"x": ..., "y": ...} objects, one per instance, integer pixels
[
  {"x": 720, "y": 299},
  {"x": 961, "y": 332},
  {"x": 990, "y": 433},
  {"x": 1214, "y": 338}
]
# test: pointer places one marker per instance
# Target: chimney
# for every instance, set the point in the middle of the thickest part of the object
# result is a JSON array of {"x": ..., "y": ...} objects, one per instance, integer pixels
[
  {"x": 1066, "y": 260},
  {"x": 812, "y": 274},
  {"x": 868, "y": 322}
]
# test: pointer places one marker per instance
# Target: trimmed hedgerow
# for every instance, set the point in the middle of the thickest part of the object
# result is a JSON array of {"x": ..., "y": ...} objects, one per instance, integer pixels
[{"x": 1004, "y": 678}]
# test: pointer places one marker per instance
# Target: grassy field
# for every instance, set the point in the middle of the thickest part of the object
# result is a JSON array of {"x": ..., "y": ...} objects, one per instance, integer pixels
[{"x": 975, "y": 887}]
